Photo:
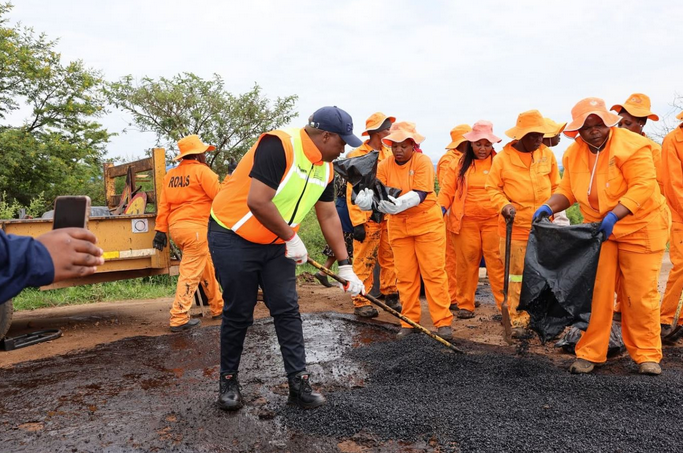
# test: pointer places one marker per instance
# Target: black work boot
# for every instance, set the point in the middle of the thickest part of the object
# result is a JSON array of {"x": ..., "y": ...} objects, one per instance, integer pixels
[
  {"x": 301, "y": 393},
  {"x": 394, "y": 302},
  {"x": 230, "y": 398}
]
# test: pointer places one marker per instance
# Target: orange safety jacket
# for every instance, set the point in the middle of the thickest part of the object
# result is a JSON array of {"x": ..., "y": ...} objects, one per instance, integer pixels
[
  {"x": 672, "y": 170},
  {"x": 526, "y": 188},
  {"x": 657, "y": 159},
  {"x": 357, "y": 216},
  {"x": 187, "y": 193},
  {"x": 452, "y": 155},
  {"x": 453, "y": 198},
  {"x": 305, "y": 178},
  {"x": 416, "y": 174},
  {"x": 625, "y": 174}
]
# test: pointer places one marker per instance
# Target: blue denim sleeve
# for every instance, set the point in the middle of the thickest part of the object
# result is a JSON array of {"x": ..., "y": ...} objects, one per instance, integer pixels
[{"x": 23, "y": 262}]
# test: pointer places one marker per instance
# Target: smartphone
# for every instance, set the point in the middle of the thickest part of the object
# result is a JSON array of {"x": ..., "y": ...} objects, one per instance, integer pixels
[{"x": 71, "y": 212}]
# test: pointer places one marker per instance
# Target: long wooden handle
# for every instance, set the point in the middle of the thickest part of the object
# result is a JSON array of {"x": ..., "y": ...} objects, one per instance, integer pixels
[{"x": 386, "y": 308}]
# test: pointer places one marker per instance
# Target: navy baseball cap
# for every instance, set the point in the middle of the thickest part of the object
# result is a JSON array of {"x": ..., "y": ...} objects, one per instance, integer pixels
[{"x": 335, "y": 120}]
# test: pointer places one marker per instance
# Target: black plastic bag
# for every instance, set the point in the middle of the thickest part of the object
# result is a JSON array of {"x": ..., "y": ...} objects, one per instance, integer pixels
[
  {"x": 573, "y": 335},
  {"x": 361, "y": 173},
  {"x": 559, "y": 275}
]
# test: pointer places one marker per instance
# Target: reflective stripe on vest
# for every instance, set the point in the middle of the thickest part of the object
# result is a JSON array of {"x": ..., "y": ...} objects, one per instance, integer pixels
[{"x": 301, "y": 187}]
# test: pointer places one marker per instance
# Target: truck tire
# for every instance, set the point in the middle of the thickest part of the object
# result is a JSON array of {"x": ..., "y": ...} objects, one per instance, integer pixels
[{"x": 6, "y": 312}]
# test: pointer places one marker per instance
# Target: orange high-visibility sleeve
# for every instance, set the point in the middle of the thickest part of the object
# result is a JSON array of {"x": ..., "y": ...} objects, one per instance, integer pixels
[{"x": 672, "y": 171}]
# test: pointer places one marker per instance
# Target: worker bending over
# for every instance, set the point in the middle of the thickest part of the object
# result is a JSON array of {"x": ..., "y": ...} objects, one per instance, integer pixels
[{"x": 183, "y": 212}]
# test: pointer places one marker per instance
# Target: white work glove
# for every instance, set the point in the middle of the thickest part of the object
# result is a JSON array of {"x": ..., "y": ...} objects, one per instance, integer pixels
[
  {"x": 296, "y": 250},
  {"x": 353, "y": 285},
  {"x": 364, "y": 200},
  {"x": 400, "y": 204}
]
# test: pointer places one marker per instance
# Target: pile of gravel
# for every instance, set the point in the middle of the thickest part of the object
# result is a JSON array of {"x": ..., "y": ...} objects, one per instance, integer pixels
[{"x": 493, "y": 401}]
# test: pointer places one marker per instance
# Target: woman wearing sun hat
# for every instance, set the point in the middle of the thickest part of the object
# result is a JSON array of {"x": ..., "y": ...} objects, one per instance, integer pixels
[
  {"x": 610, "y": 173},
  {"x": 416, "y": 231},
  {"x": 454, "y": 151},
  {"x": 523, "y": 175},
  {"x": 472, "y": 217}
]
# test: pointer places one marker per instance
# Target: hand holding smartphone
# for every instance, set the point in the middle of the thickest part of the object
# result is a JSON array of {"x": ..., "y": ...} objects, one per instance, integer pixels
[{"x": 71, "y": 212}]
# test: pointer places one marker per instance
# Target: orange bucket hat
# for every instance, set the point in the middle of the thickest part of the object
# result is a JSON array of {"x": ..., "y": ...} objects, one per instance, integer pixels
[
  {"x": 585, "y": 108},
  {"x": 527, "y": 122},
  {"x": 191, "y": 145},
  {"x": 402, "y": 131},
  {"x": 557, "y": 128},
  {"x": 375, "y": 122},
  {"x": 482, "y": 129},
  {"x": 457, "y": 135},
  {"x": 680, "y": 116},
  {"x": 637, "y": 105}
]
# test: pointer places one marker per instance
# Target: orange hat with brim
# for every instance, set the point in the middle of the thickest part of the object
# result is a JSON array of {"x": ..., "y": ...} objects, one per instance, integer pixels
[
  {"x": 482, "y": 130},
  {"x": 637, "y": 105},
  {"x": 585, "y": 108},
  {"x": 457, "y": 135},
  {"x": 528, "y": 122},
  {"x": 402, "y": 131},
  {"x": 557, "y": 128},
  {"x": 375, "y": 122},
  {"x": 192, "y": 145}
]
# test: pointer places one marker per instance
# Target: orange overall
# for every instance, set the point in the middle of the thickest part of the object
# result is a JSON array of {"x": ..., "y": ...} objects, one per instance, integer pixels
[
  {"x": 417, "y": 236},
  {"x": 183, "y": 212},
  {"x": 451, "y": 157},
  {"x": 375, "y": 248},
  {"x": 473, "y": 220},
  {"x": 625, "y": 174},
  {"x": 672, "y": 169},
  {"x": 525, "y": 180}
]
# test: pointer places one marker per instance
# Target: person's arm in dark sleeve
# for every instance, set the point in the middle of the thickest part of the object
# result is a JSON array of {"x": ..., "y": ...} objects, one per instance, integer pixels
[{"x": 23, "y": 262}]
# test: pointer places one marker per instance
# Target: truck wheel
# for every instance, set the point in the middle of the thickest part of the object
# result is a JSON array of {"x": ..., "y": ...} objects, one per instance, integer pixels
[{"x": 6, "y": 312}]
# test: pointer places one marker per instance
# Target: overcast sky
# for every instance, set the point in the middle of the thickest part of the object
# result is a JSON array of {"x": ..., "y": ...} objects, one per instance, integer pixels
[{"x": 436, "y": 63}]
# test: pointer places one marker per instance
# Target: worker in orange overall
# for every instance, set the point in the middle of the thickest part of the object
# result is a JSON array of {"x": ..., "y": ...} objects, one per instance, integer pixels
[
  {"x": 609, "y": 171},
  {"x": 454, "y": 151},
  {"x": 672, "y": 169},
  {"x": 416, "y": 231},
  {"x": 551, "y": 140},
  {"x": 634, "y": 114},
  {"x": 183, "y": 212},
  {"x": 370, "y": 235},
  {"x": 523, "y": 176},
  {"x": 473, "y": 217}
]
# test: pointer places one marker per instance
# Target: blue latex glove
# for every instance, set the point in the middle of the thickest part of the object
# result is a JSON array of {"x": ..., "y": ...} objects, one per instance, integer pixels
[
  {"x": 607, "y": 225},
  {"x": 543, "y": 211}
]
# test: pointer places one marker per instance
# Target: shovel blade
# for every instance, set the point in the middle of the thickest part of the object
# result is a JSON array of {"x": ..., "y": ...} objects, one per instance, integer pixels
[{"x": 507, "y": 325}]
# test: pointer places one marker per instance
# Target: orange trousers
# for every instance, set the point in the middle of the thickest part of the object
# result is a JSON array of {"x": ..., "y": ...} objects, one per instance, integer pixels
[
  {"x": 518, "y": 318},
  {"x": 477, "y": 237},
  {"x": 196, "y": 268},
  {"x": 451, "y": 267},
  {"x": 419, "y": 243},
  {"x": 375, "y": 248},
  {"x": 674, "y": 285}
]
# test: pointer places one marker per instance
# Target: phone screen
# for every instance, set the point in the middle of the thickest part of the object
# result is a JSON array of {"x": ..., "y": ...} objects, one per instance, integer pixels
[{"x": 71, "y": 212}]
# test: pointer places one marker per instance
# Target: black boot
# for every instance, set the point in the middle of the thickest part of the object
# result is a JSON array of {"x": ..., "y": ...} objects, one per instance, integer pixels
[
  {"x": 301, "y": 394},
  {"x": 394, "y": 302},
  {"x": 230, "y": 398}
]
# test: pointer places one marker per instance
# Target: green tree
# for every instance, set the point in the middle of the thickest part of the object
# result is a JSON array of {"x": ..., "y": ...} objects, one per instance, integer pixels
[
  {"x": 59, "y": 148},
  {"x": 187, "y": 104}
]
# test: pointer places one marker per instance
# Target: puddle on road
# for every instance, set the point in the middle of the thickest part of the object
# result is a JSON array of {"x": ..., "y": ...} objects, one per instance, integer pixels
[{"x": 158, "y": 393}]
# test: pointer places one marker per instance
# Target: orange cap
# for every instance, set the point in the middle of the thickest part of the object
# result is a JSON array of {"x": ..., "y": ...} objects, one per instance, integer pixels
[
  {"x": 557, "y": 128},
  {"x": 457, "y": 135},
  {"x": 637, "y": 105},
  {"x": 402, "y": 131},
  {"x": 191, "y": 145},
  {"x": 585, "y": 108},
  {"x": 375, "y": 122},
  {"x": 527, "y": 122}
]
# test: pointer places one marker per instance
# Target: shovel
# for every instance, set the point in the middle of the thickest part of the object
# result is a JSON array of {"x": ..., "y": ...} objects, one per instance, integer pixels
[
  {"x": 676, "y": 330},
  {"x": 505, "y": 311},
  {"x": 386, "y": 308}
]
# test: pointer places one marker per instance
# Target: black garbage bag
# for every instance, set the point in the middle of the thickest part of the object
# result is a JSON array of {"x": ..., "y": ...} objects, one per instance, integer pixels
[
  {"x": 361, "y": 173},
  {"x": 573, "y": 335},
  {"x": 559, "y": 275}
]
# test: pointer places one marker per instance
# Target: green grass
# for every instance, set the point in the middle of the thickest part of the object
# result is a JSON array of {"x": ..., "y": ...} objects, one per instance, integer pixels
[
  {"x": 313, "y": 238},
  {"x": 139, "y": 288}
]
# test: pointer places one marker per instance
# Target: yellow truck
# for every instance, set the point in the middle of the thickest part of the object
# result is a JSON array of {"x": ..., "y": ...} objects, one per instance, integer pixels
[{"x": 125, "y": 238}]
